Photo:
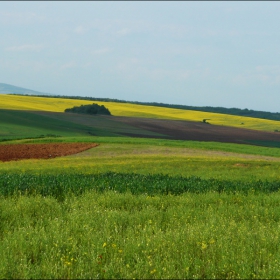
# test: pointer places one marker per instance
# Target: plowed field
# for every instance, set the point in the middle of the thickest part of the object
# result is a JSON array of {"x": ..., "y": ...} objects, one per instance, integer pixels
[
  {"x": 198, "y": 131},
  {"x": 52, "y": 150}
]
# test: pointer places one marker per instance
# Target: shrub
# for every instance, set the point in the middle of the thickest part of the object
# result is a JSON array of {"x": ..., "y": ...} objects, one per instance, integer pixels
[{"x": 92, "y": 109}]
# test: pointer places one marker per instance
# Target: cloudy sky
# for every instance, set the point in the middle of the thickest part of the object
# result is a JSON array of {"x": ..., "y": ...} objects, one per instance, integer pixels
[{"x": 192, "y": 53}]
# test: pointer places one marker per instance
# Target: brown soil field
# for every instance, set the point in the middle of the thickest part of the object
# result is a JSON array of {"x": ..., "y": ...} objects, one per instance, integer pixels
[
  {"x": 46, "y": 151},
  {"x": 172, "y": 129},
  {"x": 187, "y": 130}
]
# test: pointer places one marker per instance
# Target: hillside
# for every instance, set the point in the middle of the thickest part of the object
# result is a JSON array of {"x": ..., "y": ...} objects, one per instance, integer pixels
[
  {"x": 222, "y": 110},
  {"x": 40, "y": 117},
  {"x": 19, "y": 124},
  {"x": 6, "y": 88},
  {"x": 19, "y": 102}
]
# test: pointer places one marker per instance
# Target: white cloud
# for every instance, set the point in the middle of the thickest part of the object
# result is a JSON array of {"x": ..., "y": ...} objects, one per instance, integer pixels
[
  {"x": 174, "y": 30},
  {"x": 267, "y": 74},
  {"x": 68, "y": 65},
  {"x": 124, "y": 31},
  {"x": 20, "y": 17},
  {"x": 26, "y": 47},
  {"x": 129, "y": 64},
  {"x": 101, "y": 51},
  {"x": 134, "y": 68},
  {"x": 174, "y": 74},
  {"x": 80, "y": 30}
]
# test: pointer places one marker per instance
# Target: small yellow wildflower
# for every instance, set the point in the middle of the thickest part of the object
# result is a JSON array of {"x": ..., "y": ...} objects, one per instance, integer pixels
[
  {"x": 104, "y": 244},
  {"x": 203, "y": 246}
]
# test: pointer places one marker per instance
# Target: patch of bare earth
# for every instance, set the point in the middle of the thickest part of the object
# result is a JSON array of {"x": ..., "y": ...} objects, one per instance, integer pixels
[
  {"x": 198, "y": 131},
  {"x": 38, "y": 151}
]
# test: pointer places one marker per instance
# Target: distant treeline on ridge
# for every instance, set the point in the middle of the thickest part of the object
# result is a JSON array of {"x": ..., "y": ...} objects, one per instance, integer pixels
[{"x": 221, "y": 110}]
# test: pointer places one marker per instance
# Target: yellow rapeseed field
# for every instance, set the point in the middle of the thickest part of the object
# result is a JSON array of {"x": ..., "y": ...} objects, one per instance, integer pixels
[{"x": 16, "y": 102}]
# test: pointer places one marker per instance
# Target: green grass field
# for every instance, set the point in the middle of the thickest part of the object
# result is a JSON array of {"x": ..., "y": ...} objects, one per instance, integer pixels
[
  {"x": 152, "y": 156},
  {"x": 17, "y": 124},
  {"x": 111, "y": 235},
  {"x": 136, "y": 207}
]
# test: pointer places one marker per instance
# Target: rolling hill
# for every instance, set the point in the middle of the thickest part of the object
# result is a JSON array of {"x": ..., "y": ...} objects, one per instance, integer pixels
[
  {"x": 18, "y": 102},
  {"x": 36, "y": 117}
]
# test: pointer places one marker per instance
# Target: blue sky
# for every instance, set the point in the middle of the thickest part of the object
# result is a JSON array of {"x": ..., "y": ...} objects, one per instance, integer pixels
[{"x": 192, "y": 53}]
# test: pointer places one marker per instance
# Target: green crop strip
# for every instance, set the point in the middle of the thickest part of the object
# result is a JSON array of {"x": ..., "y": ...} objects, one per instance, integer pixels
[{"x": 61, "y": 185}]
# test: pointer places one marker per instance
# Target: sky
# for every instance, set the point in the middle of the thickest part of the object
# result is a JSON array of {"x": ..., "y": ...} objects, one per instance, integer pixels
[{"x": 187, "y": 52}]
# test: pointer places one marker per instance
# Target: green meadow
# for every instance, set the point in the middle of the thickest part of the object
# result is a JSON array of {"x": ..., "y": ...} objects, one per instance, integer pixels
[
  {"x": 157, "y": 156},
  {"x": 18, "y": 124},
  {"x": 135, "y": 207}
]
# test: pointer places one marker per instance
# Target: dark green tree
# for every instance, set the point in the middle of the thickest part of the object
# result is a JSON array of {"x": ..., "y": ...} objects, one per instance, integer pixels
[{"x": 93, "y": 109}]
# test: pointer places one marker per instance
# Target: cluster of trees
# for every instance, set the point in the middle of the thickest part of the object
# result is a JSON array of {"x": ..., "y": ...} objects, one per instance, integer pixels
[
  {"x": 230, "y": 111},
  {"x": 92, "y": 109}
]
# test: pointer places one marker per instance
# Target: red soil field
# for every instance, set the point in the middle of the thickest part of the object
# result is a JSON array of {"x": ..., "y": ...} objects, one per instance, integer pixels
[{"x": 46, "y": 151}]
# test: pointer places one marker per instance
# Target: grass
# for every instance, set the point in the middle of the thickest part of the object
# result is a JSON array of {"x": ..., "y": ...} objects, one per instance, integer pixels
[
  {"x": 25, "y": 124},
  {"x": 67, "y": 218},
  {"x": 112, "y": 235},
  {"x": 150, "y": 156},
  {"x": 142, "y": 143},
  {"x": 15, "y": 102},
  {"x": 16, "y": 124}
]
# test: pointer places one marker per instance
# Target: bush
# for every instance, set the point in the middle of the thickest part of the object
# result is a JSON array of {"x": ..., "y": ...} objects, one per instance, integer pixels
[{"x": 92, "y": 109}]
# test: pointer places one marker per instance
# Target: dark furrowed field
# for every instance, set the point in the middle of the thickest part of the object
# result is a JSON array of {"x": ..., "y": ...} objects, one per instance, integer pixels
[
  {"x": 40, "y": 123},
  {"x": 199, "y": 131}
]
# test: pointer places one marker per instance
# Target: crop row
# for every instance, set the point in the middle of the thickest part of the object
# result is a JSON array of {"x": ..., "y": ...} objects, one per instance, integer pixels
[{"x": 62, "y": 184}]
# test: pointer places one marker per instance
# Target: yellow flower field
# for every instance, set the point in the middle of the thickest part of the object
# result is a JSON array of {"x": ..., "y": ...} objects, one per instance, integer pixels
[{"x": 15, "y": 102}]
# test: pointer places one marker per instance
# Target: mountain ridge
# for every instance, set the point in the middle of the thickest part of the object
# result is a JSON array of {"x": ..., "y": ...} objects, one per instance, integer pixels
[{"x": 7, "y": 89}]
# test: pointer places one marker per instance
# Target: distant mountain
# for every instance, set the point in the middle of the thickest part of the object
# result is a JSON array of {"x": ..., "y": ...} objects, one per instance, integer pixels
[{"x": 6, "y": 88}]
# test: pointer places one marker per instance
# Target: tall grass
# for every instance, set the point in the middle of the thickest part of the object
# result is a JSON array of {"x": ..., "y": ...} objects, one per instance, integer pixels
[
  {"x": 112, "y": 235},
  {"x": 58, "y": 223}
]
